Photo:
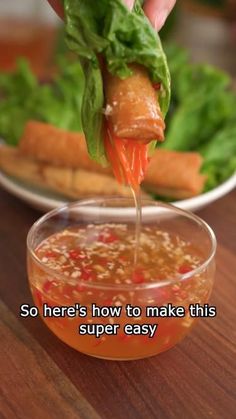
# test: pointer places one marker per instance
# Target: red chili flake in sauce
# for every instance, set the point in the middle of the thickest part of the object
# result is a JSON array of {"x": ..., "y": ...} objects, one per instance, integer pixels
[
  {"x": 87, "y": 273},
  {"x": 76, "y": 254},
  {"x": 51, "y": 254},
  {"x": 138, "y": 277},
  {"x": 107, "y": 237},
  {"x": 184, "y": 269},
  {"x": 103, "y": 262},
  {"x": 48, "y": 285}
]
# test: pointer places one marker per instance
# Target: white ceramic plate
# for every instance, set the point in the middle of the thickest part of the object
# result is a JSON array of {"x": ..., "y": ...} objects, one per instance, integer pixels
[{"x": 46, "y": 201}]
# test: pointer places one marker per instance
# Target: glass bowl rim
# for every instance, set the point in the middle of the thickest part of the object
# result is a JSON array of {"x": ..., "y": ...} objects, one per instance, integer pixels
[{"x": 129, "y": 287}]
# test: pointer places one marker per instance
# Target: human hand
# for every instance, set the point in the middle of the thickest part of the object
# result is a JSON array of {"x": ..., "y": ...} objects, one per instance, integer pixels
[
  {"x": 156, "y": 10},
  {"x": 57, "y": 6}
]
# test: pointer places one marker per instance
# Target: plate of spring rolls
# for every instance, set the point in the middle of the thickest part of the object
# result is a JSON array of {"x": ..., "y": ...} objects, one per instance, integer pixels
[
  {"x": 107, "y": 120},
  {"x": 44, "y": 172}
]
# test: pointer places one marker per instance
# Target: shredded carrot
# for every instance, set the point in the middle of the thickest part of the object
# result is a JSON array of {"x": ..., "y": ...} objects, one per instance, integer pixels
[
  {"x": 128, "y": 158},
  {"x": 111, "y": 155},
  {"x": 121, "y": 150}
]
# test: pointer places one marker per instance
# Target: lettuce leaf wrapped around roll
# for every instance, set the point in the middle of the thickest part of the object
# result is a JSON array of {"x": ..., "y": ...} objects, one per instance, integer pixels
[{"x": 106, "y": 33}]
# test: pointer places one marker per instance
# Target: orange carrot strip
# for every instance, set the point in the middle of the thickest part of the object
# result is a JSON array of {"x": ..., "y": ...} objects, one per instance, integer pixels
[
  {"x": 111, "y": 155},
  {"x": 121, "y": 151},
  {"x": 128, "y": 158}
]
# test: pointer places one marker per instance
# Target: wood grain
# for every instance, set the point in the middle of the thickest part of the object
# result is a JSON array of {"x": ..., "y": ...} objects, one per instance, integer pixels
[
  {"x": 43, "y": 378},
  {"x": 30, "y": 376}
]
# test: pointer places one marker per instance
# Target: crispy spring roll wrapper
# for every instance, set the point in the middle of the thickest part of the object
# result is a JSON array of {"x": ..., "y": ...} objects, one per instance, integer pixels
[
  {"x": 71, "y": 183},
  {"x": 172, "y": 174},
  {"x": 50, "y": 144},
  {"x": 175, "y": 174},
  {"x": 132, "y": 107}
]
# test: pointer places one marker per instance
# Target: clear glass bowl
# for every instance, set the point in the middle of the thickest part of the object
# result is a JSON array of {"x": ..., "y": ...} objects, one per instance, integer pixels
[{"x": 187, "y": 288}]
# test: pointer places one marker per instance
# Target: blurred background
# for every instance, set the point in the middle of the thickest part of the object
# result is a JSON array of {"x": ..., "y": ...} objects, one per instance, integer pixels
[
  {"x": 31, "y": 29},
  {"x": 207, "y": 28}
]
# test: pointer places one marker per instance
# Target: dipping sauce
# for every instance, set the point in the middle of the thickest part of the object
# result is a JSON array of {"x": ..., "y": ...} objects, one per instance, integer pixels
[{"x": 94, "y": 264}]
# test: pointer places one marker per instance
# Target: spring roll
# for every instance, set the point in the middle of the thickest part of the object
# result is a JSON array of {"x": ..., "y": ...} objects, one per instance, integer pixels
[
  {"x": 132, "y": 107},
  {"x": 175, "y": 174},
  {"x": 71, "y": 183},
  {"x": 172, "y": 174},
  {"x": 50, "y": 144}
]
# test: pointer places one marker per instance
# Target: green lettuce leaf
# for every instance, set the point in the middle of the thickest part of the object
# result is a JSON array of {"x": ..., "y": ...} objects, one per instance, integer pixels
[
  {"x": 202, "y": 115},
  {"x": 23, "y": 98},
  {"x": 15, "y": 90},
  {"x": 203, "y": 104},
  {"x": 220, "y": 156},
  {"x": 108, "y": 28}
]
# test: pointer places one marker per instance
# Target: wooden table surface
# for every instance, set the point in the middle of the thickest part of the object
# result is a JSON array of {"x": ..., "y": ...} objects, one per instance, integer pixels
[{"x": 40, "y": 377}]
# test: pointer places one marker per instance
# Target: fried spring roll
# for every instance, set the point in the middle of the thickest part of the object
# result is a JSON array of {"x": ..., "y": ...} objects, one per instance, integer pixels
[
  {"x": 175, "y": 174},
  {"x": 132, "y": 108},
  {"x": 172, "y": 174},
  {"x": 50, "y": 144},
  {"x": 67, "y": 182}
]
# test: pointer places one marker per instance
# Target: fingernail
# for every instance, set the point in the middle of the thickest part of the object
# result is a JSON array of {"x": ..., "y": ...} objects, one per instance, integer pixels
[
  {"x": 129, "y": 4},
  {"x": 160, "y": 19}
]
